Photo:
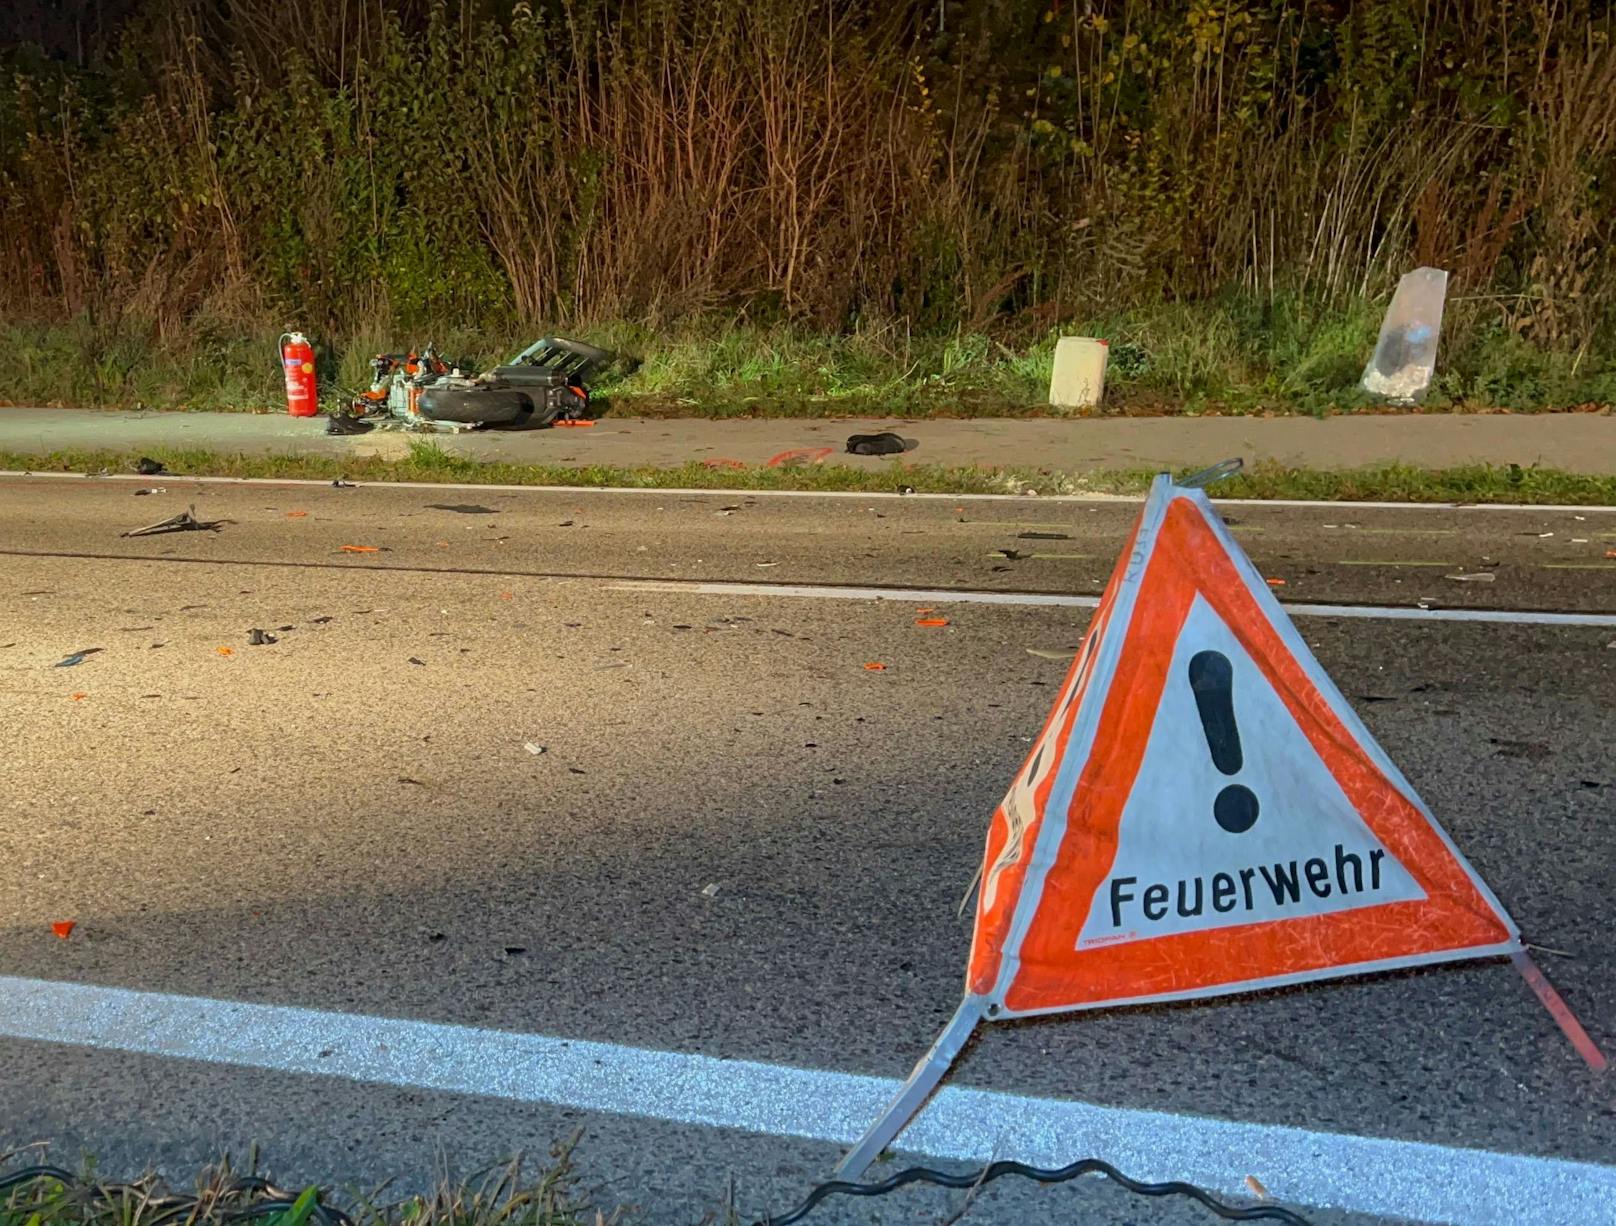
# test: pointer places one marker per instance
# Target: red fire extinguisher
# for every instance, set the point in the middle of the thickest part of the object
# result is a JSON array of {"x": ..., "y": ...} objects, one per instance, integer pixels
[{"x": 297, "y": 357}]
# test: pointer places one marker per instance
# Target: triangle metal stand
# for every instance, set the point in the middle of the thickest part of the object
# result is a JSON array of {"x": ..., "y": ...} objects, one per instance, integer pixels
[{"x": 914, "y": 1093}]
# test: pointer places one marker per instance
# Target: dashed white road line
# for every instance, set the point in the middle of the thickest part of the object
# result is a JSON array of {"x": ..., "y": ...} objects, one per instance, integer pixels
[
  {"x": 1064, "y": 600},
  {"x": 1372, "y": 1175}
]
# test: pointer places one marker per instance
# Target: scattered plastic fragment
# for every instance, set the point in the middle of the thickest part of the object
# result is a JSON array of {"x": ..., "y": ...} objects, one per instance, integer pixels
[
  {"x": 1042, "y": 536},
  {"x": 150, "y": 489},
  {"x": 340, "y": 484},
  {"x": 64, "y": 928},
  {"x": 148, "y": 467},
  {"x": 1256, "y": 1188},
  {"x": 1610, "y": 553},
  {"x": 931, "y": 621},
  {"x": 723, "y": 463},
  {"x": 875, "y": 666},
  {"x": 1045, "y": 654},
  {"x": 297, "y": 514},
  {"x": 361, "y": 549},
  {"x": 1479, "y": 576},
  {"x": 710, "y": 890},
  {"x": 225, "y": 651},
  {"x": 576, "y": 425},
  {"x": 798, "y": 455},
  {"x": 417, "y": 660},
  {"x": 533, "y": 748},
  {"x": 1405, "y": 354},
  {"x": 258, "y": 638},
  {"x": 1276, "y": 583},
  {"x": 78, "y": 657},
  {"x": 1012, "y": 555},
  {"x": 507, "y": 596},
  {"x": 461, "y": 508},
  {"x": 80, "y": 697},
  {"x": 761, "y": 565},
  {"x": 906, "y": 489}
]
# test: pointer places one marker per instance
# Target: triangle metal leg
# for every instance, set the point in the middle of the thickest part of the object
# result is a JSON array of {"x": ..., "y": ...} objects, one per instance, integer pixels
[{"x": 931, "y": 1069}]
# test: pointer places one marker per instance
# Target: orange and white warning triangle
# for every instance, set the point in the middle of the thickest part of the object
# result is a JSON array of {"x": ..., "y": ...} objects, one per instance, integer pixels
[{"x": 1203, "y": 812}]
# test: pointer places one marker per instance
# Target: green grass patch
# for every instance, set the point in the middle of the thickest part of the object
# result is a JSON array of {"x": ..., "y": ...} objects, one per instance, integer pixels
[
  {"x": 1240, "y": 353},
  {"x": 429, "y": 462},
  {"x": 511, "y": 1194}
]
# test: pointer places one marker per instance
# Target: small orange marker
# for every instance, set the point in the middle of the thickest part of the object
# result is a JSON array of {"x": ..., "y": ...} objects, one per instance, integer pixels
[
  {"x": 875, "y": 667},
  {"x": 64, "y": 928},
  {"x": 932, "y": 621}
]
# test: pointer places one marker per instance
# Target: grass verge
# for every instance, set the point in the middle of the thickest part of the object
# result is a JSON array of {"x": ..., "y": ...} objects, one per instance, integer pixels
[
  {"x": 429, "y": 462},
  {"x": 506, "y": 1195},
  {"x": 1235, "y": 354}
]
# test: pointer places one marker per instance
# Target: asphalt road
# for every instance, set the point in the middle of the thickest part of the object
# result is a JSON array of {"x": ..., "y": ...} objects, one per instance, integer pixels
[{"x": 347, "y": 819}]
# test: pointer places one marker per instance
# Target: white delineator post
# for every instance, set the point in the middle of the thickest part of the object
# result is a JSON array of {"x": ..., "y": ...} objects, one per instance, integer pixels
[{"x": 1078, "y": 378}]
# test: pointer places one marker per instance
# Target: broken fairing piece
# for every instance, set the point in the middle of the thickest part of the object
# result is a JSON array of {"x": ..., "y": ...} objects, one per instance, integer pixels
[
  {"x": 1405, "y": 356},
  {"x": 185, "y": 521}
]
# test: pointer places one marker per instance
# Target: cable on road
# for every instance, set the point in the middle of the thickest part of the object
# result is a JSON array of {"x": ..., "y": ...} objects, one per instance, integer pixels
[
  {"x": 987, "y": 1174},
  {"x": 262, "y": 1199}
]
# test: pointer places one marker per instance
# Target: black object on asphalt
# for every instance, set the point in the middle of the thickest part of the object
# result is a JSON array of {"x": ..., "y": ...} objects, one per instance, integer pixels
[
  {"x": 148, "y": 467},
  {"x": 347, "y": 423},
  {"x": 257, "y": 637},
  {"x": 885, "y": 443},
  {"x": 1042, "y": 536}
]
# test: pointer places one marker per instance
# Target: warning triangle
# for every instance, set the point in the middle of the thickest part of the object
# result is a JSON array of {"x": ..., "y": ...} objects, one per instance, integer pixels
[{"x": 1203, "y": 812}]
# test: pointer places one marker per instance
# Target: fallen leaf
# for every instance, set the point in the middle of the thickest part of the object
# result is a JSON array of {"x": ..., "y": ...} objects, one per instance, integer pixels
[
  {"x": 932, "y": 621},
  {"x": 361, "y": 549},
  {"x": 64, "y": 928},
  {"x": 875, "y": 667}
]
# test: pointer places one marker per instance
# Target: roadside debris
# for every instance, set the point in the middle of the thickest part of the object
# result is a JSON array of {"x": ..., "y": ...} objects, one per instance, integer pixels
[
  {"x": 884, "y": 443},
  {"x": 723, "y": 463},
  {"x": 340, "y": 484},
  {"x": 81, "y": 695},
  {"x": 1013, "y": 555},
  {"x": 225, "y": 651},
  {"x": 461, "y": 508},
  {"x": 361, "y": 549},
  {"x": 1478, "y": 576},
  {"x": 64, "y": 928},
  {"x": 258, "y": 638},
  {"x": 710, "y": 890},
  {"x": 348, "y": 423},
  {"x": 534, "y": 749},
  {"x": 1042, "y": 536},
  {"x": 798, "y": 455},
  {"x": 416, "y": 660},
  {"x": 148, "y": 467},
  {"x": 1276, "y": 582},
  {"x": 185, "y": 521},
  {"x": 77, "y": 657},
  {"x": 1044, "y": 653},
  {"x": 150, "y": 489},
  {"x": 875, "y": 666},
  {"x": 931, "y": 621}
]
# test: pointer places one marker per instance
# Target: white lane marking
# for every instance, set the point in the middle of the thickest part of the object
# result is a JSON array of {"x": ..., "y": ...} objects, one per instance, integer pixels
[
  {"x": 1060, "y": 600},
  {"x": 1405, "y": 1179},
  {"x": 1024, "y": 499}
]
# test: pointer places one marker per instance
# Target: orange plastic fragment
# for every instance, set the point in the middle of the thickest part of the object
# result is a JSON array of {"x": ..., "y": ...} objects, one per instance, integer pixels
[
  {"x": 64, "y": 928},
  {"x": 296, "y": 514},
  {"x": 78, "y": 697},
  {"x": 925, "y": 611},
  {"x": 361, "y": 549},
  {"x": 876, "y": 667},
  {"x": 1256, "y": 1188},
  {"x": 1610, "y": 553},
  {"x": 575, "y": 424},
  {"x": 225, "y": 651},
  {"x": 507, "y": 596},
  {"x": 1276, "y": 583},
  {"x": 931, "y": 621},
  {"x": 799, "y": 455}
]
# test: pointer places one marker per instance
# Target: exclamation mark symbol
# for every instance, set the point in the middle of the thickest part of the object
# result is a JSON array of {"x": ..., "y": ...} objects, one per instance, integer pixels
[{"x": 1212, "y": 681}]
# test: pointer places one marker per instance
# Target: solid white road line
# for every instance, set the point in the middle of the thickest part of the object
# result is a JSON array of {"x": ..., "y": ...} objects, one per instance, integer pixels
[
  {"x": 1372, "y": 1175},
  {"x": 1059, "y": 600},
  {"x": 175, "y": 479}
]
